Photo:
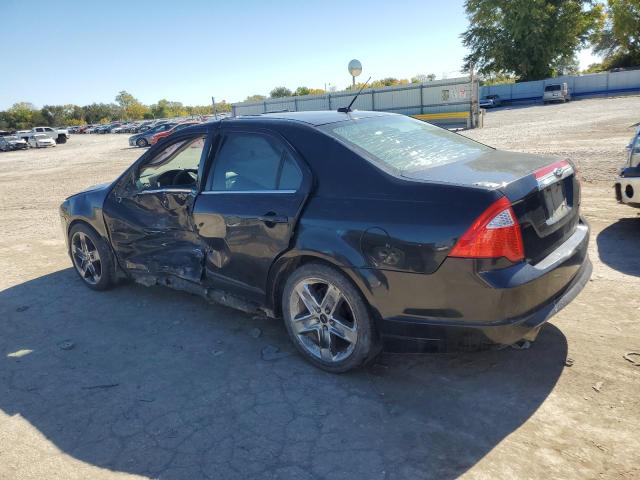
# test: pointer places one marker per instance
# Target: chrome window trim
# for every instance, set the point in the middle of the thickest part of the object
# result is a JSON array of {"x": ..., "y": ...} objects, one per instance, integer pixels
[
  {"x": 166, "y": 190},
  {"x": 253, "y": 192}
]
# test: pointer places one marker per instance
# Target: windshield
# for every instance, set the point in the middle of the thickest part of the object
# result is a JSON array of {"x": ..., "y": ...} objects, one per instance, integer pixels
[
  {"x": 402, "y": 144},
  {"x": 164, "y": 127}
]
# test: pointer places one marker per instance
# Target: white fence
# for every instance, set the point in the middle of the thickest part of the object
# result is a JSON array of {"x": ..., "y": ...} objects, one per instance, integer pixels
[
  {"x": 579, "y": 86},
  {"x": 447, "y": 102}
]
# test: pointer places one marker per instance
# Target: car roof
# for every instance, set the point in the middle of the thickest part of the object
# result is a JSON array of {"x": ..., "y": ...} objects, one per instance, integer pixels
[{"x": 315, "y": 118}]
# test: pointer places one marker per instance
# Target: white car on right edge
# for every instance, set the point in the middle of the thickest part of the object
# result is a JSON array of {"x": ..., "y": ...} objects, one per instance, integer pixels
[{"x": 628, "y": 183}]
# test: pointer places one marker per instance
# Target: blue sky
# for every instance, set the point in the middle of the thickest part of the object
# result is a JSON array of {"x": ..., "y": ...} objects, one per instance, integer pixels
[{"x": 82, "y": 52}]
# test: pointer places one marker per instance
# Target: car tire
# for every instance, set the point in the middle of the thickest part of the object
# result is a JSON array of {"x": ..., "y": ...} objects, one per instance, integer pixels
[
  {"x": 142, "y": 142},
  {"x": 61, "y": 140},
  {"x": 335, "y": 336},
  {"x": 94, "y": 262}
]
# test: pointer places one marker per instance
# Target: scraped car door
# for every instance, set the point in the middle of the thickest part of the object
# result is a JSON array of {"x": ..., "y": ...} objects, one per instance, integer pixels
[
  {"x": 148, "y": 213},
  {"x": 247, "y": 211}
]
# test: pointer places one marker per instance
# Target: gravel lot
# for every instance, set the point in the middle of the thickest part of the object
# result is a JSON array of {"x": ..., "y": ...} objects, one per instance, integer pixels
[{"x": 153, "y": 383}]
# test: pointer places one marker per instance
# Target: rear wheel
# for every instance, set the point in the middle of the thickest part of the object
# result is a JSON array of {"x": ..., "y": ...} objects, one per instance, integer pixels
[
  {"x": 91, "y": 258},
  {"x": 327, "y": 319}
]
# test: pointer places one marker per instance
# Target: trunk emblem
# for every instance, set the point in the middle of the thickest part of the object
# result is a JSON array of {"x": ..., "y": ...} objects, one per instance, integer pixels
[{"x": 545, "y": 176}]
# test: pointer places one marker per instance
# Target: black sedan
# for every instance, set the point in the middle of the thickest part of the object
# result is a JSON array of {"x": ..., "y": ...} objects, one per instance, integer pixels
[{"x": 357, "y": 228}]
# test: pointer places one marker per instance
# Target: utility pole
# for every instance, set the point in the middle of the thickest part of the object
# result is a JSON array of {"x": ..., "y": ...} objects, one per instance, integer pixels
[
  {"x": 474, "y": 98},
  {"x": 213, "y": 102}
]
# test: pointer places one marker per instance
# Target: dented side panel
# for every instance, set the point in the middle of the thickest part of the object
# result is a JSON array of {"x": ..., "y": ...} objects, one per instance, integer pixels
[{"x": 153, "y": 233}]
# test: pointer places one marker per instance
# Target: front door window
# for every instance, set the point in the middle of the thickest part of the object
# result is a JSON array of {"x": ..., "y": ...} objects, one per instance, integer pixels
[{"x": 176, "y": 166}]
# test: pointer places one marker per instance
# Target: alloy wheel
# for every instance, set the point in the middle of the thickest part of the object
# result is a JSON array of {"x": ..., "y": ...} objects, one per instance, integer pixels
[
  {"x": 86, "y": 258},
  {"x": 323, "y": 320}
]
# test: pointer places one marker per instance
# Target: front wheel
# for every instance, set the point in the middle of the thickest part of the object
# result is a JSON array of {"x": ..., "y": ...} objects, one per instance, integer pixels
[
  {"x": 142, "y": 142},
  {"x": 91, "y": 258},
  {"x": 328, "y": 319}
]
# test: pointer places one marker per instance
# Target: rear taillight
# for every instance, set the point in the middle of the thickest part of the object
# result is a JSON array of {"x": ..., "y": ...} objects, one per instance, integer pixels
[{"x": 496, "y": 233}]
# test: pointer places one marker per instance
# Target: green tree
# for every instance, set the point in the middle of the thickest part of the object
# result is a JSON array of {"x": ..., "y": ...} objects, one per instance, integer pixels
[
  {"x": 96, "y": 112},
  {"x": 22, "y": 115},
  {"x": 160, "y": 109},
  {"x": 131, "y": 108},
  {"x": 300, "y": 91},
  {"x": 422, "y": 78},
  {"x": 527, "y": 38},
  {"x": 619, "y": 40},
  {"x": 60, "y": 115},
  {"x": 384, "y": 82},
  {"x": 497, "y": 79},
  {"x": 255, "y": 98},
  {"x": 280, "y": 92},
  {"x": 594, "y": 68}
]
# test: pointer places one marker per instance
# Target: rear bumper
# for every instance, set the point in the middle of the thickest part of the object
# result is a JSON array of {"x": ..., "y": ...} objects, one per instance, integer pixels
[
  {"x": 459, "y": 306},
  {"x": 627, "y": 187}
]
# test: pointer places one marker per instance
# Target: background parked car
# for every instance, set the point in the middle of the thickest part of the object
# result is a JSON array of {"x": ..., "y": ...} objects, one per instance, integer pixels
[
  {"x": 40, "y": 140},
  {"x": 11, "y": 142},
  {"x": 491, "y": 101},
  {"x": 556, "y": 92},
  {"x": 144, "y": 139},
  {"x": 628, "y": 183},
  {"x": 160, "y": 135}
]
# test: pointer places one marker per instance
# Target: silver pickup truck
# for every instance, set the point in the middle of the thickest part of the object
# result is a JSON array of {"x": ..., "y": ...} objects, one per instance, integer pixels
[
  {"x": 60, "y": 135},
  {"x": 628, "y": 182}
]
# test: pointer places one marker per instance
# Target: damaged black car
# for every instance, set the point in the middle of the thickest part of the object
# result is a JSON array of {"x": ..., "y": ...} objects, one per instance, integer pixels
[{"x": 356, "y": 228}]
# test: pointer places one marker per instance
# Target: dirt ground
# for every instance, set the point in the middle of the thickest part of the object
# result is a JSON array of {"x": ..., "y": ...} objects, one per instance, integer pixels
[{"x": 158, "y": 384}]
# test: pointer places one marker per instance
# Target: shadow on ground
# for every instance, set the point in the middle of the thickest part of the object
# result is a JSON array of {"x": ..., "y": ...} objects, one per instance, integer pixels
[
  {"x": 155, "y": 382},
  {"x": 617, "y": 241}
]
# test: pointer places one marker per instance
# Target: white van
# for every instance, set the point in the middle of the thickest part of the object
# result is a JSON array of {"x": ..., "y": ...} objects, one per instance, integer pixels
[{"x": 556, "y": 92}]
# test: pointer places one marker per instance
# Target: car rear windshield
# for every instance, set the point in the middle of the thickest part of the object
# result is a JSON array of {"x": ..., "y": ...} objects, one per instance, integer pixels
[
  {"x": 402, "y": 144},
  {"x": 551, "y": 88}
]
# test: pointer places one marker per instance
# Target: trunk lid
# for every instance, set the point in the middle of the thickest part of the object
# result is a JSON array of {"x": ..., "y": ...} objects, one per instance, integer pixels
[{"x": 543, "y": 191}]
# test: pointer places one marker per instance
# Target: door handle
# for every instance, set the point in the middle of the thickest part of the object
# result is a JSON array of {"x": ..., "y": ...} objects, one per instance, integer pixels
[{"x": 273, "y": 218}]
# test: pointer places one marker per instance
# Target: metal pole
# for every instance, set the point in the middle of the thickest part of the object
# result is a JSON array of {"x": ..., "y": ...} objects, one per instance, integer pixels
[
  {"x": 213, "y": 102},
  {"x": 473, "y": 111}
]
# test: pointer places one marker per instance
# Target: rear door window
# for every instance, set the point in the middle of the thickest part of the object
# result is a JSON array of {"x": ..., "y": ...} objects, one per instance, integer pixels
[{"x": 253, "y": 162}]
